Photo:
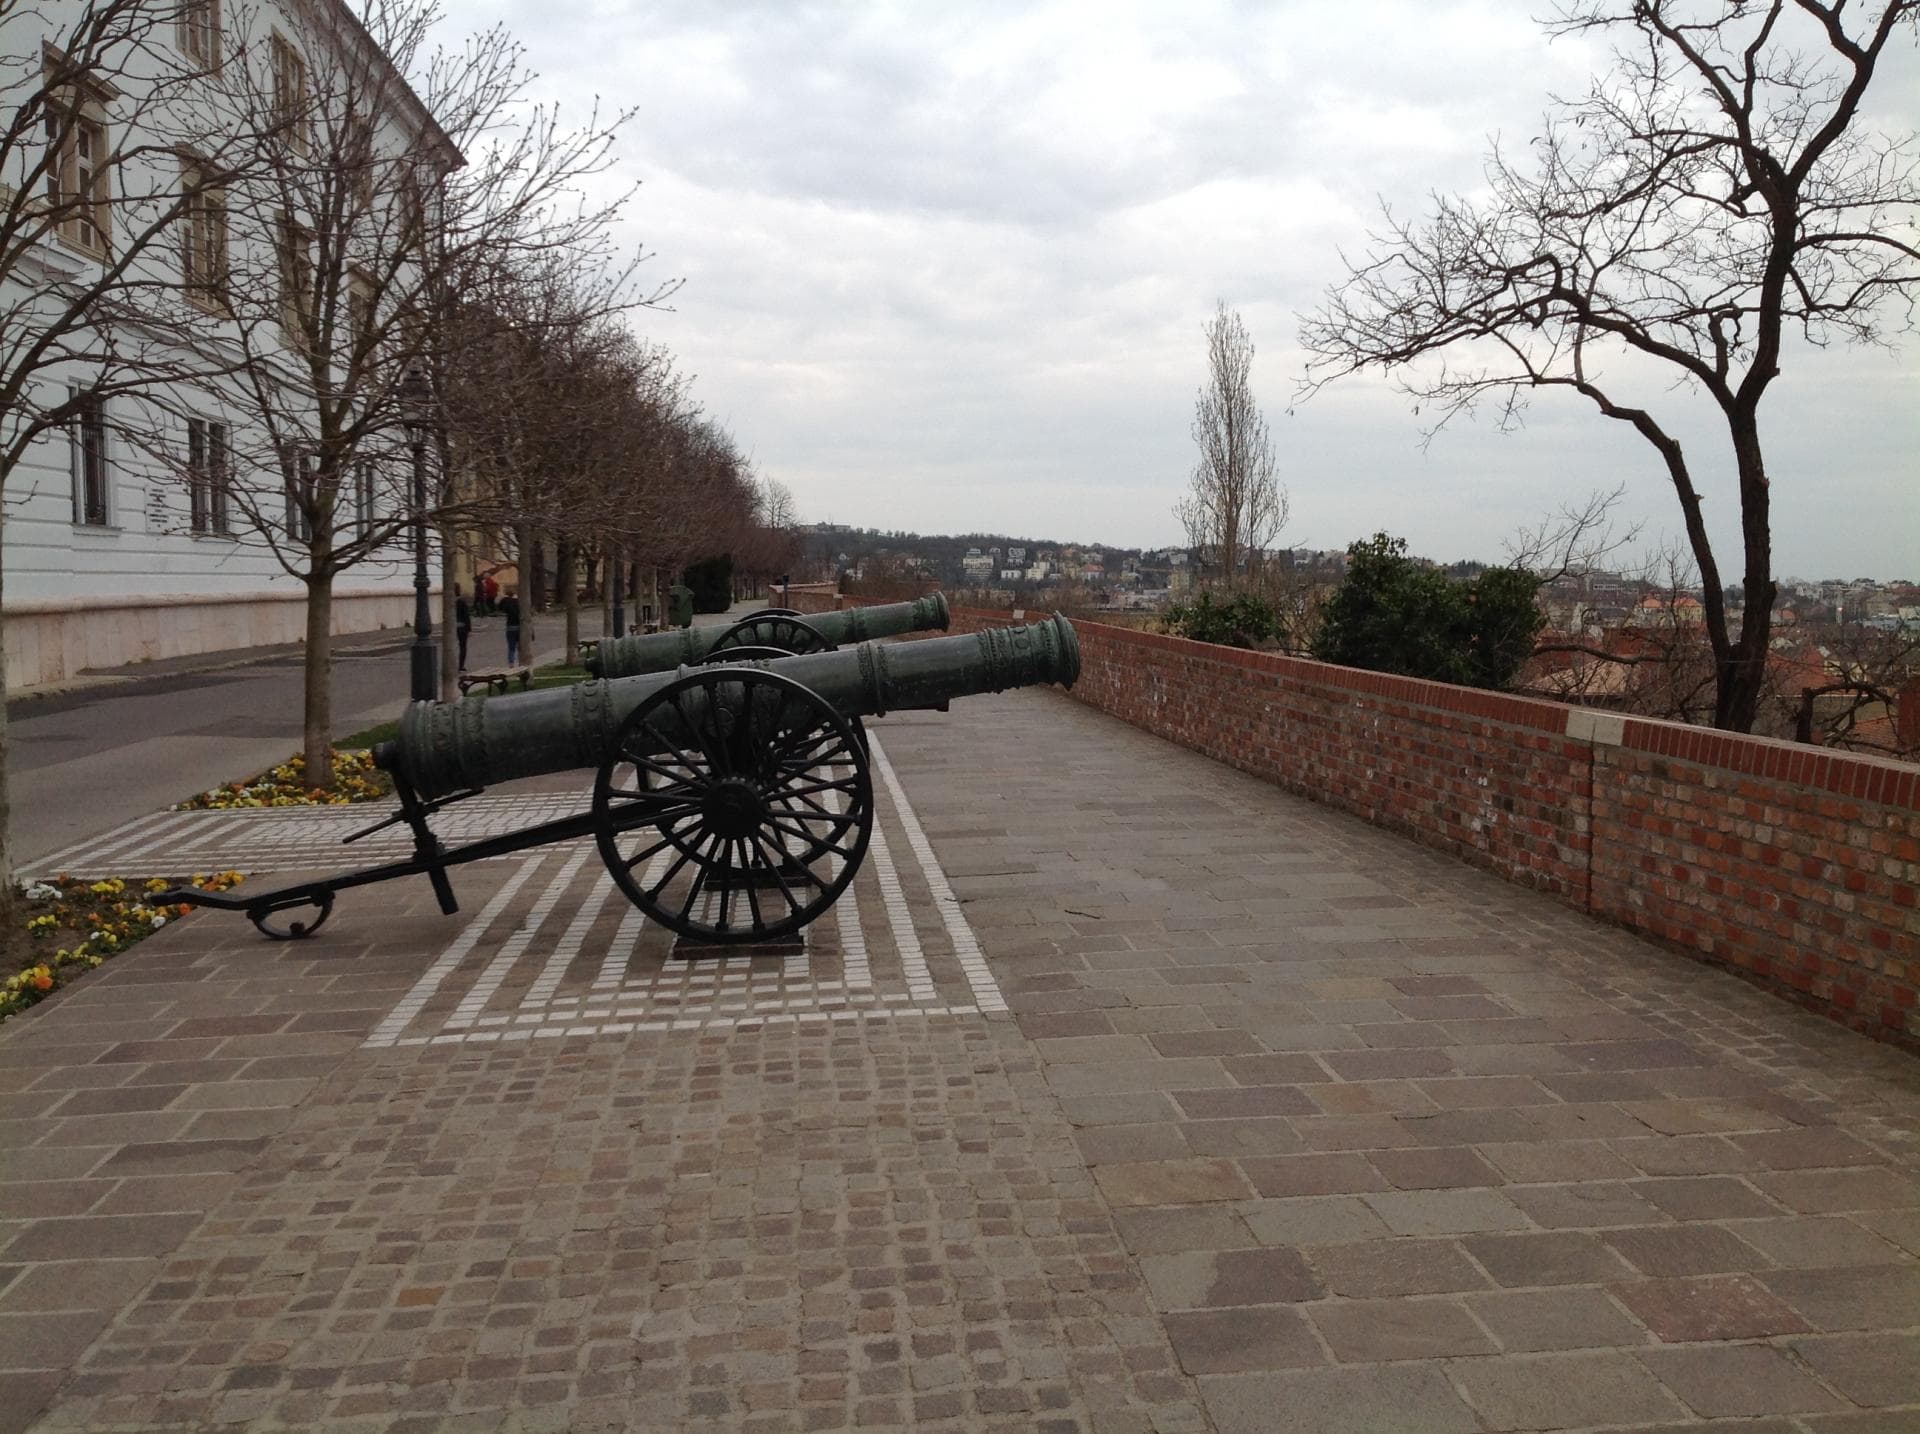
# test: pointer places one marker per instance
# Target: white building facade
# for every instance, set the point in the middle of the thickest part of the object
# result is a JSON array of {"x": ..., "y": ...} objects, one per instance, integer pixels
[{"x": 148, "y": 527}]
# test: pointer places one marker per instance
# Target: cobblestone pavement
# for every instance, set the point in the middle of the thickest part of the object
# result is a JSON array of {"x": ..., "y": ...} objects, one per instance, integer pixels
[{"x": 1293, "y": 1126}]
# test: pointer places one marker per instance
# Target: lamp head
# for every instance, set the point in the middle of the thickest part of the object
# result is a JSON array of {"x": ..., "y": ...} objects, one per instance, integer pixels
[{"x": 415, "y": 396}]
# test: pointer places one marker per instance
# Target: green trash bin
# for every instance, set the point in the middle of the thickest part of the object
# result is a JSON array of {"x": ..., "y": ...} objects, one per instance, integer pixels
[{"x": 680, "y": 606}]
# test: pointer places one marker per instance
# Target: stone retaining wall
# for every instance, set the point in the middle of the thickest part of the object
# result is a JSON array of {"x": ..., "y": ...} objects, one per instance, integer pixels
[
  {"x": 1796, "y": 866},
  {"x": 52, "y": 640}
]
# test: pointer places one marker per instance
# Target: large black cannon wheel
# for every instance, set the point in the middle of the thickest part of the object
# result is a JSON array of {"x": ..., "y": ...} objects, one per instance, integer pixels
[
  {"x": 651, "y": 777},
  {"x": 736, "y": 806},
  {"x": 790, "y": 633}
]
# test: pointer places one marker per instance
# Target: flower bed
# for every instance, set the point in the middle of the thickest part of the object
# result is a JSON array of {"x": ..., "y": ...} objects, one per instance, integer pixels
[
  {"x": 355, "y": 779},
  {"x": 73, "y": 926}
]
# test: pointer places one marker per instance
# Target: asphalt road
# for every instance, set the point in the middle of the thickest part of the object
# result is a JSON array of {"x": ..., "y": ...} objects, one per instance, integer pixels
[{"x": 86, "y": 760}]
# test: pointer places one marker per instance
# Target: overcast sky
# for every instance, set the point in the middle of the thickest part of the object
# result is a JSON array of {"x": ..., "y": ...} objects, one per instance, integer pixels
[{"x": 947, "y": 265}]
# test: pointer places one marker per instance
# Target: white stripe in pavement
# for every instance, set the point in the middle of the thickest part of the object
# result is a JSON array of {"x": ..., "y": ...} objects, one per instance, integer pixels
[
  {"x": 786, "y": 1017},
  {"x": 856, "y": 965},
  {"x": 965, "y": 946},
  {"x": 913, "y": 960},
  {"x": 110, "y": 842},
  {"x": 614, "y": 968},
  {"x": 388, "y": 1031},
  {"x": 567, "y": 949},
  {"x": 475, "y": 1001}
]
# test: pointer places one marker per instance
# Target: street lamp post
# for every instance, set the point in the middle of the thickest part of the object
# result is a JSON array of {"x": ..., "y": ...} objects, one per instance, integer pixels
[{"x": 416, "y": 407}]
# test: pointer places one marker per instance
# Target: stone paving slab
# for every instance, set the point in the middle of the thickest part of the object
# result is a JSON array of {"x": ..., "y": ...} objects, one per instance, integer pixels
[
  {"x": 1399, "y": 1146},
  {"x": 1293, "y": 1126},
  {"x": 540, "y": 1167}
]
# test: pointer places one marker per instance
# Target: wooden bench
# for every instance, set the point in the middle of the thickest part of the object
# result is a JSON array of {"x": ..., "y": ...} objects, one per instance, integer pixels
[{"x": 495, "y": 679}]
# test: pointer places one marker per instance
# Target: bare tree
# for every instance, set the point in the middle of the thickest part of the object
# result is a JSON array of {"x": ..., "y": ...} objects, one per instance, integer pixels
[
  {"x": 1713, "y": 194},
  {"x": 1235, "y": 506},
  {"x": 555, "y": 418},
  {"x": 106, "y": 149},
  {"x": 767, "y": 542},
  {"x": 369, "y": 201}
]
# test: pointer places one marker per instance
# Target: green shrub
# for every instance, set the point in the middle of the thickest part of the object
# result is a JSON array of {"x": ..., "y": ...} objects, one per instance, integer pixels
[
  {"x": 1242, "y": 620},
  {"x": 1394, "y": 614}
]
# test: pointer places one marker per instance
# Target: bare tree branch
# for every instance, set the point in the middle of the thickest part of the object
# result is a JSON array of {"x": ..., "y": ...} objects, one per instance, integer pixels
[{"x": 1713, "y": 189}]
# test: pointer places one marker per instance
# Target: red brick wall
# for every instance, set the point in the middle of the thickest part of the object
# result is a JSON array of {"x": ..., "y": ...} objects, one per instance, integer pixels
[
  {"x": 812, "y": 597},
  {"x": 1796, "y": 866}
]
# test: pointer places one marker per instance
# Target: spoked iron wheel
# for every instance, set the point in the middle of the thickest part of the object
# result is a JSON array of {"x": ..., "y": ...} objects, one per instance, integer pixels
[
  {"x": 759, "y": 613},
  {"x": 789, "y": 634},
  {"x": 651, "y": 778},
  {"x": 736, "y": 806}
]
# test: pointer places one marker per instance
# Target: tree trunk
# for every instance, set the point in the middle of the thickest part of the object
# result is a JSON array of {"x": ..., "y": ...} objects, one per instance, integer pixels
[
  {"x": 528, "y": 555},
  {"x": 563, "y": 563},
  {"x": 1742, "y": 676},
  {"x": 318, "y": 720},
  {"x": 449, "y": 638},
  {"x": 13, "y": 936}
]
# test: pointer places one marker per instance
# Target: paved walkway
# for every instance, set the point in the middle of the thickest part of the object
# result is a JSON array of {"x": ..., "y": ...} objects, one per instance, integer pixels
[{"x": 1125, "y": 1094}]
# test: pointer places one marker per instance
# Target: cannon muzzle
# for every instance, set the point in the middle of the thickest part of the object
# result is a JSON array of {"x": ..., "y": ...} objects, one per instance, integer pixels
[
  {"x": 663, "y": 651},
  {"x": 446, "y": 747}
]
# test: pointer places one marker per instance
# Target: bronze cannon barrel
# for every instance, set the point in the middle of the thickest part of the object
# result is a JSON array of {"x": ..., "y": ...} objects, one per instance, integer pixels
[
  {"x": 447, "y": 747},
  {"x": 663, "y": 651}
]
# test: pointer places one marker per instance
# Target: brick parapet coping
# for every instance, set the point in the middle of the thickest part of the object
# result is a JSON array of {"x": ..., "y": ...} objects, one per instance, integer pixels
[{"x": 1795, "y": 866}]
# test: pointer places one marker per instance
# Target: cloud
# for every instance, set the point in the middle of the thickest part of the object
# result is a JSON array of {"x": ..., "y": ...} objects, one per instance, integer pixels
[{"x": 947, "y": 266}]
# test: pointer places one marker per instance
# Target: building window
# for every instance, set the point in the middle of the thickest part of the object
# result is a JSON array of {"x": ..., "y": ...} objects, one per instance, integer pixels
[
  {"x": 208, "y": 477},
  {"x": 78, "y": 193},
  {"x": 356, "y": 158},
  {"x": 296, "y": 473},
  {"x": 290, "y": 91},
  {"x": 363, "y": 508},
  {"x": 200, "y": 30},
  {"x": 296, "y": 277},
  {"x": 203, "y": 238},
  {"x": 362, "y": 315},
  {"x": 413, "y": 210},
  {"x": 87, "y": 454}
]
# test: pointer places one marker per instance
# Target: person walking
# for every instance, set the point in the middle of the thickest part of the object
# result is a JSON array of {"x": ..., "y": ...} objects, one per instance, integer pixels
[
  {"x": 462, "y": 622},
  {"x": 510, "y": 609},
  {"x": 489, "y": 593}
]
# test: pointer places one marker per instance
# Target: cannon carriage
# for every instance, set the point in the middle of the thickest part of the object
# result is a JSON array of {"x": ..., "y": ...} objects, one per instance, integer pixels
[{"x": 732, "y": 803}]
